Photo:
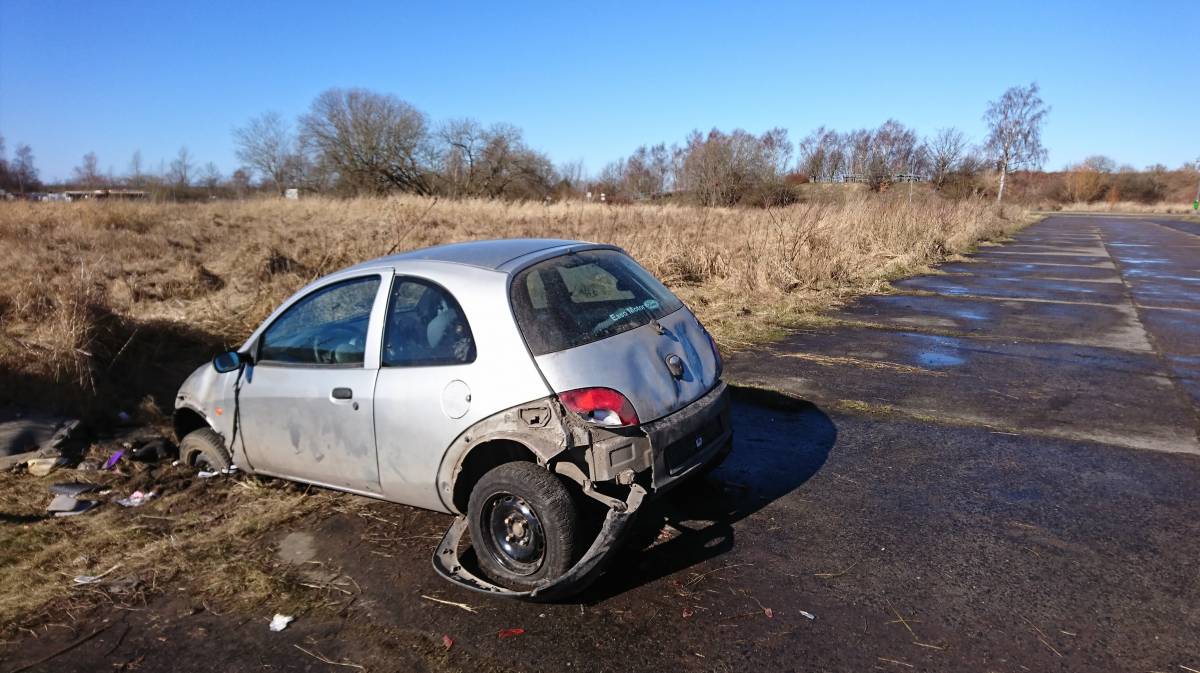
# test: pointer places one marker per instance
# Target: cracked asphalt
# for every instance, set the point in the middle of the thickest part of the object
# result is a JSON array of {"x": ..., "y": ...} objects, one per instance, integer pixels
[{"x": 993, "y": 469}]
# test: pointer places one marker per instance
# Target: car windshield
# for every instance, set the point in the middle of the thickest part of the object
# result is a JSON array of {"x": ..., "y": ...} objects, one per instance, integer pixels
[{"x": 582, "y": 297}]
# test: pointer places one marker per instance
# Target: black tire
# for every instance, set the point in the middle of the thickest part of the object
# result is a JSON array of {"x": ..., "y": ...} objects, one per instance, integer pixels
[
  {"x": 204, "y": 449},
  {"x": 523, "y": 525}
]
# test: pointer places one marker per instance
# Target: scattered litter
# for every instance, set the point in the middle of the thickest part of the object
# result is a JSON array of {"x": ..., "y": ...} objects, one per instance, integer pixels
[
  {"x": 280, "y": 622},
  {"x": 136, "y": 499},
  {"x": 808, "y": 615},
  {"x": 207, "y": 474},
  {"x": 92, "y": 579},
  {"x": 769, "y": 613},
  {"x": 67, "y": 505},
  {"x": 152, "y": 451},
  {"x": 73, "y": 489},
  {"x": 447, "y": 641},
  {"x": 113, "y": 459},
  {"x": 688, "y": 612},
  {"x": 511, "y": 633},
  {"x": 464, "y": 606},
  {"x": 62, "y": 503},
  {"x": 81, "y": 506},
  {"x": 40, "y": 467}
]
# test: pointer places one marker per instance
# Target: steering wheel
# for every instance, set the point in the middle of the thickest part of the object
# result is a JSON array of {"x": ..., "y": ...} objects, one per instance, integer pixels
[{"x": 328, "y": 357}]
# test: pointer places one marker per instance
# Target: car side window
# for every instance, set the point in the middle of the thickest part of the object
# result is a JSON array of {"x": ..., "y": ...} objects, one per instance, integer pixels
[
  {"x": 327, "y": 327},
  {"x": 425, "y": 327}
]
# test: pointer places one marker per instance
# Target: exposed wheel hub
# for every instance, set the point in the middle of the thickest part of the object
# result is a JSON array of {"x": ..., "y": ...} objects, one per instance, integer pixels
[{"x": 515, "y": 533}]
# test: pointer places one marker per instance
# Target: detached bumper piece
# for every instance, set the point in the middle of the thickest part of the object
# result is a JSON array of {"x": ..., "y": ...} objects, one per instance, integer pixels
[{"x": 582, "y": 574}]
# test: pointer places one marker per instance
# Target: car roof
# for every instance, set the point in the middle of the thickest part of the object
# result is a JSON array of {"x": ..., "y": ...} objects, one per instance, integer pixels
[{"x": 495, "y": 255}]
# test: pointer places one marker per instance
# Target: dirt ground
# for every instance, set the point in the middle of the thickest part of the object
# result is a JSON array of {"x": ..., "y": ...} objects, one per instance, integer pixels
[{"x": 994, "y": 469}]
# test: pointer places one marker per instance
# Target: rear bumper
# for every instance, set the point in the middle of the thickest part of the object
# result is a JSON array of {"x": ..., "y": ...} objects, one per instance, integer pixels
[{"x": 690, "y": 438}]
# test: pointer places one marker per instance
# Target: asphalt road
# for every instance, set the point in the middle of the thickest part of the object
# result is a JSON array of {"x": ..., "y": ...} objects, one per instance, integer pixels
[{"x": 993, "y": 469}]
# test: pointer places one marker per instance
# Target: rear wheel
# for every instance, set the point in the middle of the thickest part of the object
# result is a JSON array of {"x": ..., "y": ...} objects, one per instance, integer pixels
[
  {"x": 205, "y": 450},
  {"x": 523, "y": 525}
]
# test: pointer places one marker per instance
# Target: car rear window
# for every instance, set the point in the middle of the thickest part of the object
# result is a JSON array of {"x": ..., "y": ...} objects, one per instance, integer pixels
[{"x": 582, "y": 297}]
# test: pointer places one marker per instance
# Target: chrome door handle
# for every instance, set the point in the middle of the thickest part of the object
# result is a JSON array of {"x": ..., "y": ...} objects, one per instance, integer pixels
[{"x": 342, "y": 393}]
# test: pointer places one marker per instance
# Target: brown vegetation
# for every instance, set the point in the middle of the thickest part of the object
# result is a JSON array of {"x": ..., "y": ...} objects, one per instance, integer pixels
[{"x": 106, "y": 303}]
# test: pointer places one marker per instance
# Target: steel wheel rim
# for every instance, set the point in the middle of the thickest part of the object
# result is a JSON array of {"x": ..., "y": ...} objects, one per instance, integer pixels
[{"x": 513, "y": 533}]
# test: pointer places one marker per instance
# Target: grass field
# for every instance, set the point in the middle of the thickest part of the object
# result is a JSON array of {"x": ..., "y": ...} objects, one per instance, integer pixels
[
  {"x": 109, "y": 306},
  {"x": 104, "y": 304}
]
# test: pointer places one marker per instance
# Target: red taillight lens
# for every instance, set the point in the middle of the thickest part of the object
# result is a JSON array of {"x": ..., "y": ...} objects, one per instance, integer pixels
[{"x": 603, "y": 406}]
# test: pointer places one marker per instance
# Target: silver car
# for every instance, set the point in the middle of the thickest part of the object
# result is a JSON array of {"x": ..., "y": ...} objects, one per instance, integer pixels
[{"x": 510, "y": 382}]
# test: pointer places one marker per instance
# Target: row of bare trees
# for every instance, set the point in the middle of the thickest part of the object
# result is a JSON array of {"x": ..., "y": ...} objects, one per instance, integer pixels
[
  {"x": 360, "y": 141},
  {"x": 726, "y": 168}
]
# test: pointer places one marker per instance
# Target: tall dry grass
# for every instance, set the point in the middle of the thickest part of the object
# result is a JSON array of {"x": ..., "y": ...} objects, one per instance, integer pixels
[
  {"x": 1127, "y": 207},
  {"x": 104, "y": 303}
]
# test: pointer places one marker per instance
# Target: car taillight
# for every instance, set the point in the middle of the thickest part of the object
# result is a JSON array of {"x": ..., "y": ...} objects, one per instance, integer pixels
[{"x": 603, "y": 406}]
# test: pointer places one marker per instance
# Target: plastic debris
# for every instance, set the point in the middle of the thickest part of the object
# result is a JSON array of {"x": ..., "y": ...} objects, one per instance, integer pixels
[
  {"x": 688, "y": 612},
  {"x": 447, "y": 641},
  {"x": 73, "y": 489},
  {"x": 152, "y": 451},
  {"x": 62, "y": 503},
  {"x": 207, "y": 474},
  {"x": 136, "y": 499},
  {"x": 511, "y": 633},
  {"x": 40, "y": 467},
  {"x": 809, "y": 615},
  {"x": 113, "y": 459},
  {"x": 280, "y": 622},
  {"x": 92, "y": 579}
]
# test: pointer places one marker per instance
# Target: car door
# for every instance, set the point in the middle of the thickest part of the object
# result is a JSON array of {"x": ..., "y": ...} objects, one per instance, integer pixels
[
  {"x": 306, "y": 404},
  {"x": 426, "y": 379}
]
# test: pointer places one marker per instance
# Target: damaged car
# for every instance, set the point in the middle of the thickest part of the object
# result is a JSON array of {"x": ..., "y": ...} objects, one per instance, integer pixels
[{"x": 539, "y": 390}]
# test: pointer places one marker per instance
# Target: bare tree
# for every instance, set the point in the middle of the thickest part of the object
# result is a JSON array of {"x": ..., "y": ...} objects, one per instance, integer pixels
[
  {"x": 945, "y": 150},
  {"x": 375, "y": 142},
  {"x": 180, "y": 172},
  {"x": 23, "y": 170},
  {"x": 1015, "y": 138},
  {"x": 87, "y": 174},
  {"x": 137, "y": 174},
  {"x": 1100, "y": 163},
  {"x": 210, "y": 177},
  {"x": 267, "y": 144}
]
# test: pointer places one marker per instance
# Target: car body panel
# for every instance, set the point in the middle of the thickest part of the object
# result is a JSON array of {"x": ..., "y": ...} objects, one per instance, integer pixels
[
  {"x": 421, "y": 411},
  {"x": 634, "y": 363}
]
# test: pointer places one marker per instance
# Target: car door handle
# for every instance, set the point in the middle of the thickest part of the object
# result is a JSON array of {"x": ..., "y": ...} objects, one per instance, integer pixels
[{"x": 342, "y": 393}]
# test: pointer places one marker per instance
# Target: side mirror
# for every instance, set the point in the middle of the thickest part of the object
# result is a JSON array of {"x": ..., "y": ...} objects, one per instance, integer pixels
[{"x": 228, "y": 362}]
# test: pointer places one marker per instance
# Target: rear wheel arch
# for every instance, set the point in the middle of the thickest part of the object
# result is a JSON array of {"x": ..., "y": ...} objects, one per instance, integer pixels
[{"x": 483, "y": 458}]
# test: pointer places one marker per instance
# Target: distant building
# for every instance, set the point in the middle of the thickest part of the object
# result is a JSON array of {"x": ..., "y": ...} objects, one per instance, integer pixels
[{"x": 100, "y": 194}]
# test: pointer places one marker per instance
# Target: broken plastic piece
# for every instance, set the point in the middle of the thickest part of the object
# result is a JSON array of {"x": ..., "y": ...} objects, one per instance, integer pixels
[
  {"x": 73, "y": 489},
  {"x": 280, "y": 622},
  {"x": 113, "y": 459},
  {"x": 40, "y": 467},
  {"x": 136, "y": 499},
  {"x": 809, "y": 615},
  {"x": 66, "y": 505},
  {"x": 207, "y": 474},
  {"x": 583, "y": 573}
]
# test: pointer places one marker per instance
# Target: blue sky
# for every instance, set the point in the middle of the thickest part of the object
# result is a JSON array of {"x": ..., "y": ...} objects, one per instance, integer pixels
[{"x": 593, "y": 81}]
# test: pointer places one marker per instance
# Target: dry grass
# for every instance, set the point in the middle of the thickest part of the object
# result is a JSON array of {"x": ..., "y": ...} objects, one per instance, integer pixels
[
  {"x": 1131, "y": 207},
  {"x": 104, "y": 303}
]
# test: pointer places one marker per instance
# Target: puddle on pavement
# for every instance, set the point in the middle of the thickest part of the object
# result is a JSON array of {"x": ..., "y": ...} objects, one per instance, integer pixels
[{"x": 937, "y": 359}]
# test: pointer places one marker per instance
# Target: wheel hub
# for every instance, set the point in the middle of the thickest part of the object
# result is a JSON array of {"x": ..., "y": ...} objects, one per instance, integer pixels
[{"x": 515, "y": 533}]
